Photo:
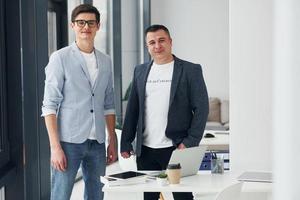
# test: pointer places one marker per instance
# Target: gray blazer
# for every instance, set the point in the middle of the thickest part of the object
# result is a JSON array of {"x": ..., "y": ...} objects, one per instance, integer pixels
[
  {"x": 188, "y": 107},
  {"x": 68, "y": 91}
]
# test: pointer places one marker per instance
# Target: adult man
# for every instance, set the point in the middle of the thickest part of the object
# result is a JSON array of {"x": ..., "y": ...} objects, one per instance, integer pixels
[
  {"x": 167, "y": 107},
  {"x": 78, "y": 100}
]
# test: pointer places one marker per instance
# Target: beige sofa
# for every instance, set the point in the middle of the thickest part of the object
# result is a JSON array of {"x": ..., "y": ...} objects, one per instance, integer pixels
[{"x": 218, "y": 117}]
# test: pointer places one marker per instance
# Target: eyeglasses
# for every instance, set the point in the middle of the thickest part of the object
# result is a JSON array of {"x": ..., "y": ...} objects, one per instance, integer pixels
[{"x": 81, "y": 23}]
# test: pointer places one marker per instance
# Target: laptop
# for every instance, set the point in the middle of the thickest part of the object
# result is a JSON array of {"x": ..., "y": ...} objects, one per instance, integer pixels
[{"x": 190, "y": 159}]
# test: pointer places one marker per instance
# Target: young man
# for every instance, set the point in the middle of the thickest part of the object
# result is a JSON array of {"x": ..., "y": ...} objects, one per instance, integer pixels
[
  {"x": 78, "y": 99},
  {"x": 167, "y": 107}
]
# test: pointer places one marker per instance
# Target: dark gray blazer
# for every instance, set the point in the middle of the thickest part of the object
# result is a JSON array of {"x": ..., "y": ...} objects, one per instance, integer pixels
[{"x": 188, "y": 108}]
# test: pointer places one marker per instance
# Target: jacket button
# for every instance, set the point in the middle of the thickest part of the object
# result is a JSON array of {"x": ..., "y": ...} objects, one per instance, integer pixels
[
  {"x": 93, "y": 94},
  {"x": 92, "y": 111}
]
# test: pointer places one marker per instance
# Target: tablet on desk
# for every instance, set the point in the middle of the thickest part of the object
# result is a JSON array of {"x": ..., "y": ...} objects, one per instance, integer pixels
[
  {"x": 124, "y": 178},
  {"x": 126, "y": 175}
]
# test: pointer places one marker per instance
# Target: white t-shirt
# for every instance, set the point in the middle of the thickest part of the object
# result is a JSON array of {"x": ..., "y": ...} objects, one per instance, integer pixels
[
  {"x": 157, "y": 97},
  {"x": 91, "y": 63}
]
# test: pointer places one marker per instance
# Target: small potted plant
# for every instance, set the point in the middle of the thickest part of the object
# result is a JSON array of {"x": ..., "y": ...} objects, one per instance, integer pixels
[{"x": 162, "y": 179}]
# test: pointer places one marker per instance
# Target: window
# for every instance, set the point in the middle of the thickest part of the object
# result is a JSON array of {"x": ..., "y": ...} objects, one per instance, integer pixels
[
  {"x": 57, "y": 25},
  {"x": 102, "y": 38},
  {"x": 52, "y": 32}
]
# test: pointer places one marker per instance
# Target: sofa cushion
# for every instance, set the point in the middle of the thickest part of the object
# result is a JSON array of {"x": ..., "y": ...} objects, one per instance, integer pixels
[
  {"x": 214, "y": 110},
  {"x": 215, "y": 126},
  {"x": 224, "y": 111}
]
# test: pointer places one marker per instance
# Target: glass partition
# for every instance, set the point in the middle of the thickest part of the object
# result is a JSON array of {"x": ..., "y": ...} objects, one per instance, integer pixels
[{"x": 52, "y": 32}]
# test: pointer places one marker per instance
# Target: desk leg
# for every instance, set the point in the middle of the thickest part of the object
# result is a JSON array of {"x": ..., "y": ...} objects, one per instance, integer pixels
[
  {"x": 123, "y": 195},
  {"x": 198, "y": 196}
]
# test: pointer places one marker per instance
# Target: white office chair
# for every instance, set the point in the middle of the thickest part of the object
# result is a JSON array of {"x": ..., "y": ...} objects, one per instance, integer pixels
[
  {"x": 232, "y": 192},
  {"x": 128, "y": 164}
]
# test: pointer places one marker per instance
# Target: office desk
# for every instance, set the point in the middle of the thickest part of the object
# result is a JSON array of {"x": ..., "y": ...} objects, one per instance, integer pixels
[
  {"x": 219, "y": 143},
  {"x": 204, "y": 183}
]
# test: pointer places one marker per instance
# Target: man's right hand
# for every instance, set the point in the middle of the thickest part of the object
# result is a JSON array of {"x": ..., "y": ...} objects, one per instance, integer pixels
[
  {"x": 126, "y": 154},
  {"x": 58, "y": 159}
]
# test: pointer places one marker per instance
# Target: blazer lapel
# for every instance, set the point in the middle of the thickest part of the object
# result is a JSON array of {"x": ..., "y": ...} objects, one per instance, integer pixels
[
  {"x": 82, "y": 62},
  {"x": 100, "y": 66},
  {"x": 175, "y": 78}
]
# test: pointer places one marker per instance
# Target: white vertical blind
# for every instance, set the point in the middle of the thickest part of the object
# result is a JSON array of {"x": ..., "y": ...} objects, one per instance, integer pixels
[{"x": 287, "y": 97}]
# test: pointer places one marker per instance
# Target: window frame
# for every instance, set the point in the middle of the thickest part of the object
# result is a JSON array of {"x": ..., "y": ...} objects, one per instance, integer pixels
[{"x": 4, "y": 144}]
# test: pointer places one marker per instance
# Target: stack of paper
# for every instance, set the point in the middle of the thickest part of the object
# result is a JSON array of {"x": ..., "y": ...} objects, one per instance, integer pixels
[
  {"x": 252, "y": 176},
  {"x": 124, "y": 178}
]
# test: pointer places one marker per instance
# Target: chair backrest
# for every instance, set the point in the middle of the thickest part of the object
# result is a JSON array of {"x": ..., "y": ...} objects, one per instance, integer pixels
[
  {"x": 232, "y": 192},
  {"x": 128, "y": 164}
]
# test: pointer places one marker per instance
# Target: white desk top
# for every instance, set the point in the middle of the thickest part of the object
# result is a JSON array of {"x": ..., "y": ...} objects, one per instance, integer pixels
[{"x": 203, "y": 183}]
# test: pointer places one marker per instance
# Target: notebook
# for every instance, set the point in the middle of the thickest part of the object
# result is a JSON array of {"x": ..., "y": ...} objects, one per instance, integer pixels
[
  {"x": 256, "y": 177},
  {"x": 190, "y": 159}
]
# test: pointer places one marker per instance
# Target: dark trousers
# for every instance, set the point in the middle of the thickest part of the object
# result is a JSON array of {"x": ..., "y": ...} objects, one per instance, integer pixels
[{"x": 158, "y": 159}]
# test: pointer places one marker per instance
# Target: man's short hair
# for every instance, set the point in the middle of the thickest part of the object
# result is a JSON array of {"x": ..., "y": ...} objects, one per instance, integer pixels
[
  {"x": 85, "y": 8},
  {"x": 156, "y": 27}
]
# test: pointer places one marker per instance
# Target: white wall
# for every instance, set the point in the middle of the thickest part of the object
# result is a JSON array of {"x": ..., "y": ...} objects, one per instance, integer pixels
[
  {"x": 251, "y": 84},
  {"x": 200, "y": 32}
]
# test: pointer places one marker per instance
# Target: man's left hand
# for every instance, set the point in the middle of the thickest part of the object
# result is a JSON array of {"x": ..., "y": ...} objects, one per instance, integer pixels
[{"x": 111, "y": 152}]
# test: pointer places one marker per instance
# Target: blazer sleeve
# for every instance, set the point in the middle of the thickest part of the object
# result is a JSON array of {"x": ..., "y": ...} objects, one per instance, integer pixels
[
  {"x": 53, "y": 84},
  {"x": 131, "y": 118},
  {"x": 109, "y": 103},
  {"x": 200, "y": 107}
]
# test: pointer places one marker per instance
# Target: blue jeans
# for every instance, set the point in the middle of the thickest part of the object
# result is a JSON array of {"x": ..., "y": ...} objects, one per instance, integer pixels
[{"x": 92, "y": 157}]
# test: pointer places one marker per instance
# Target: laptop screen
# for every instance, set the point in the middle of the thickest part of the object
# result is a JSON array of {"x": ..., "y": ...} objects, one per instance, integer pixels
[{"x": 190, "y": 159}]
